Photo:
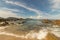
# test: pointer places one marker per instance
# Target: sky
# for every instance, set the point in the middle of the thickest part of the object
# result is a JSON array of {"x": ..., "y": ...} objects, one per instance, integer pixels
[{"x": 36, "y": 9}]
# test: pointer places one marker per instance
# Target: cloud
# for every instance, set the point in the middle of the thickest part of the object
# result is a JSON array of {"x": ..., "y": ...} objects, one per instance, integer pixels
[
  {"x": 9, "y": 9},
  {"x": 40, "y": 15},
  {"x": 35, "y": 17},
  {"x": 55, "y": 4},
  {"x": 55, "y": 9},
  {"x": 23, "y": 5},
  {"x": 6, "y": 13}
]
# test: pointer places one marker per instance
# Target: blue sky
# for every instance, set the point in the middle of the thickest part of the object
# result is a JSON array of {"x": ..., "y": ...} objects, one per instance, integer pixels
[{"x": 37, "y": 9}]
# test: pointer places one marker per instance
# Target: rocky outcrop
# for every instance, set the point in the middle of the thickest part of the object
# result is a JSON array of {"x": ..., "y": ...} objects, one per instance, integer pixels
[{"x": 51, "y": 36}]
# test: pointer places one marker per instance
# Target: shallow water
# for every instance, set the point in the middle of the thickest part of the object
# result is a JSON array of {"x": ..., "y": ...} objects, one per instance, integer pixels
[{"x": 54, "y": 30}]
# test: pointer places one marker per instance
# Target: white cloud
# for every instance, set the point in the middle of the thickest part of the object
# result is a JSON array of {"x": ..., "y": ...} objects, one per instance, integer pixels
[
  {"x": 55, "y": 4},
  {"x": 55, "y": 7},
  {"x": 6, "y": 13},
  {"x": 41, "y": 17},
  {"x": 35, "y": 17},
  {"x": 39, "y": 13},
  {"x": 23, "y": 5},
  {"x": 16, "y": 10}
]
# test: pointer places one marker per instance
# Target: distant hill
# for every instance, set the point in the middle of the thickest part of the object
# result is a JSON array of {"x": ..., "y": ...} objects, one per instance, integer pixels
[
  {"x": 12, "y": 19},
  {"x": 2, "y": 19},
  {"x": 44, "y": 21}
]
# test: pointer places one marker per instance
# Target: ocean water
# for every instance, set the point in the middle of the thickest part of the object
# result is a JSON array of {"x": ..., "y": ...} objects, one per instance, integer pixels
[{"x": 55, "y": 29}]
